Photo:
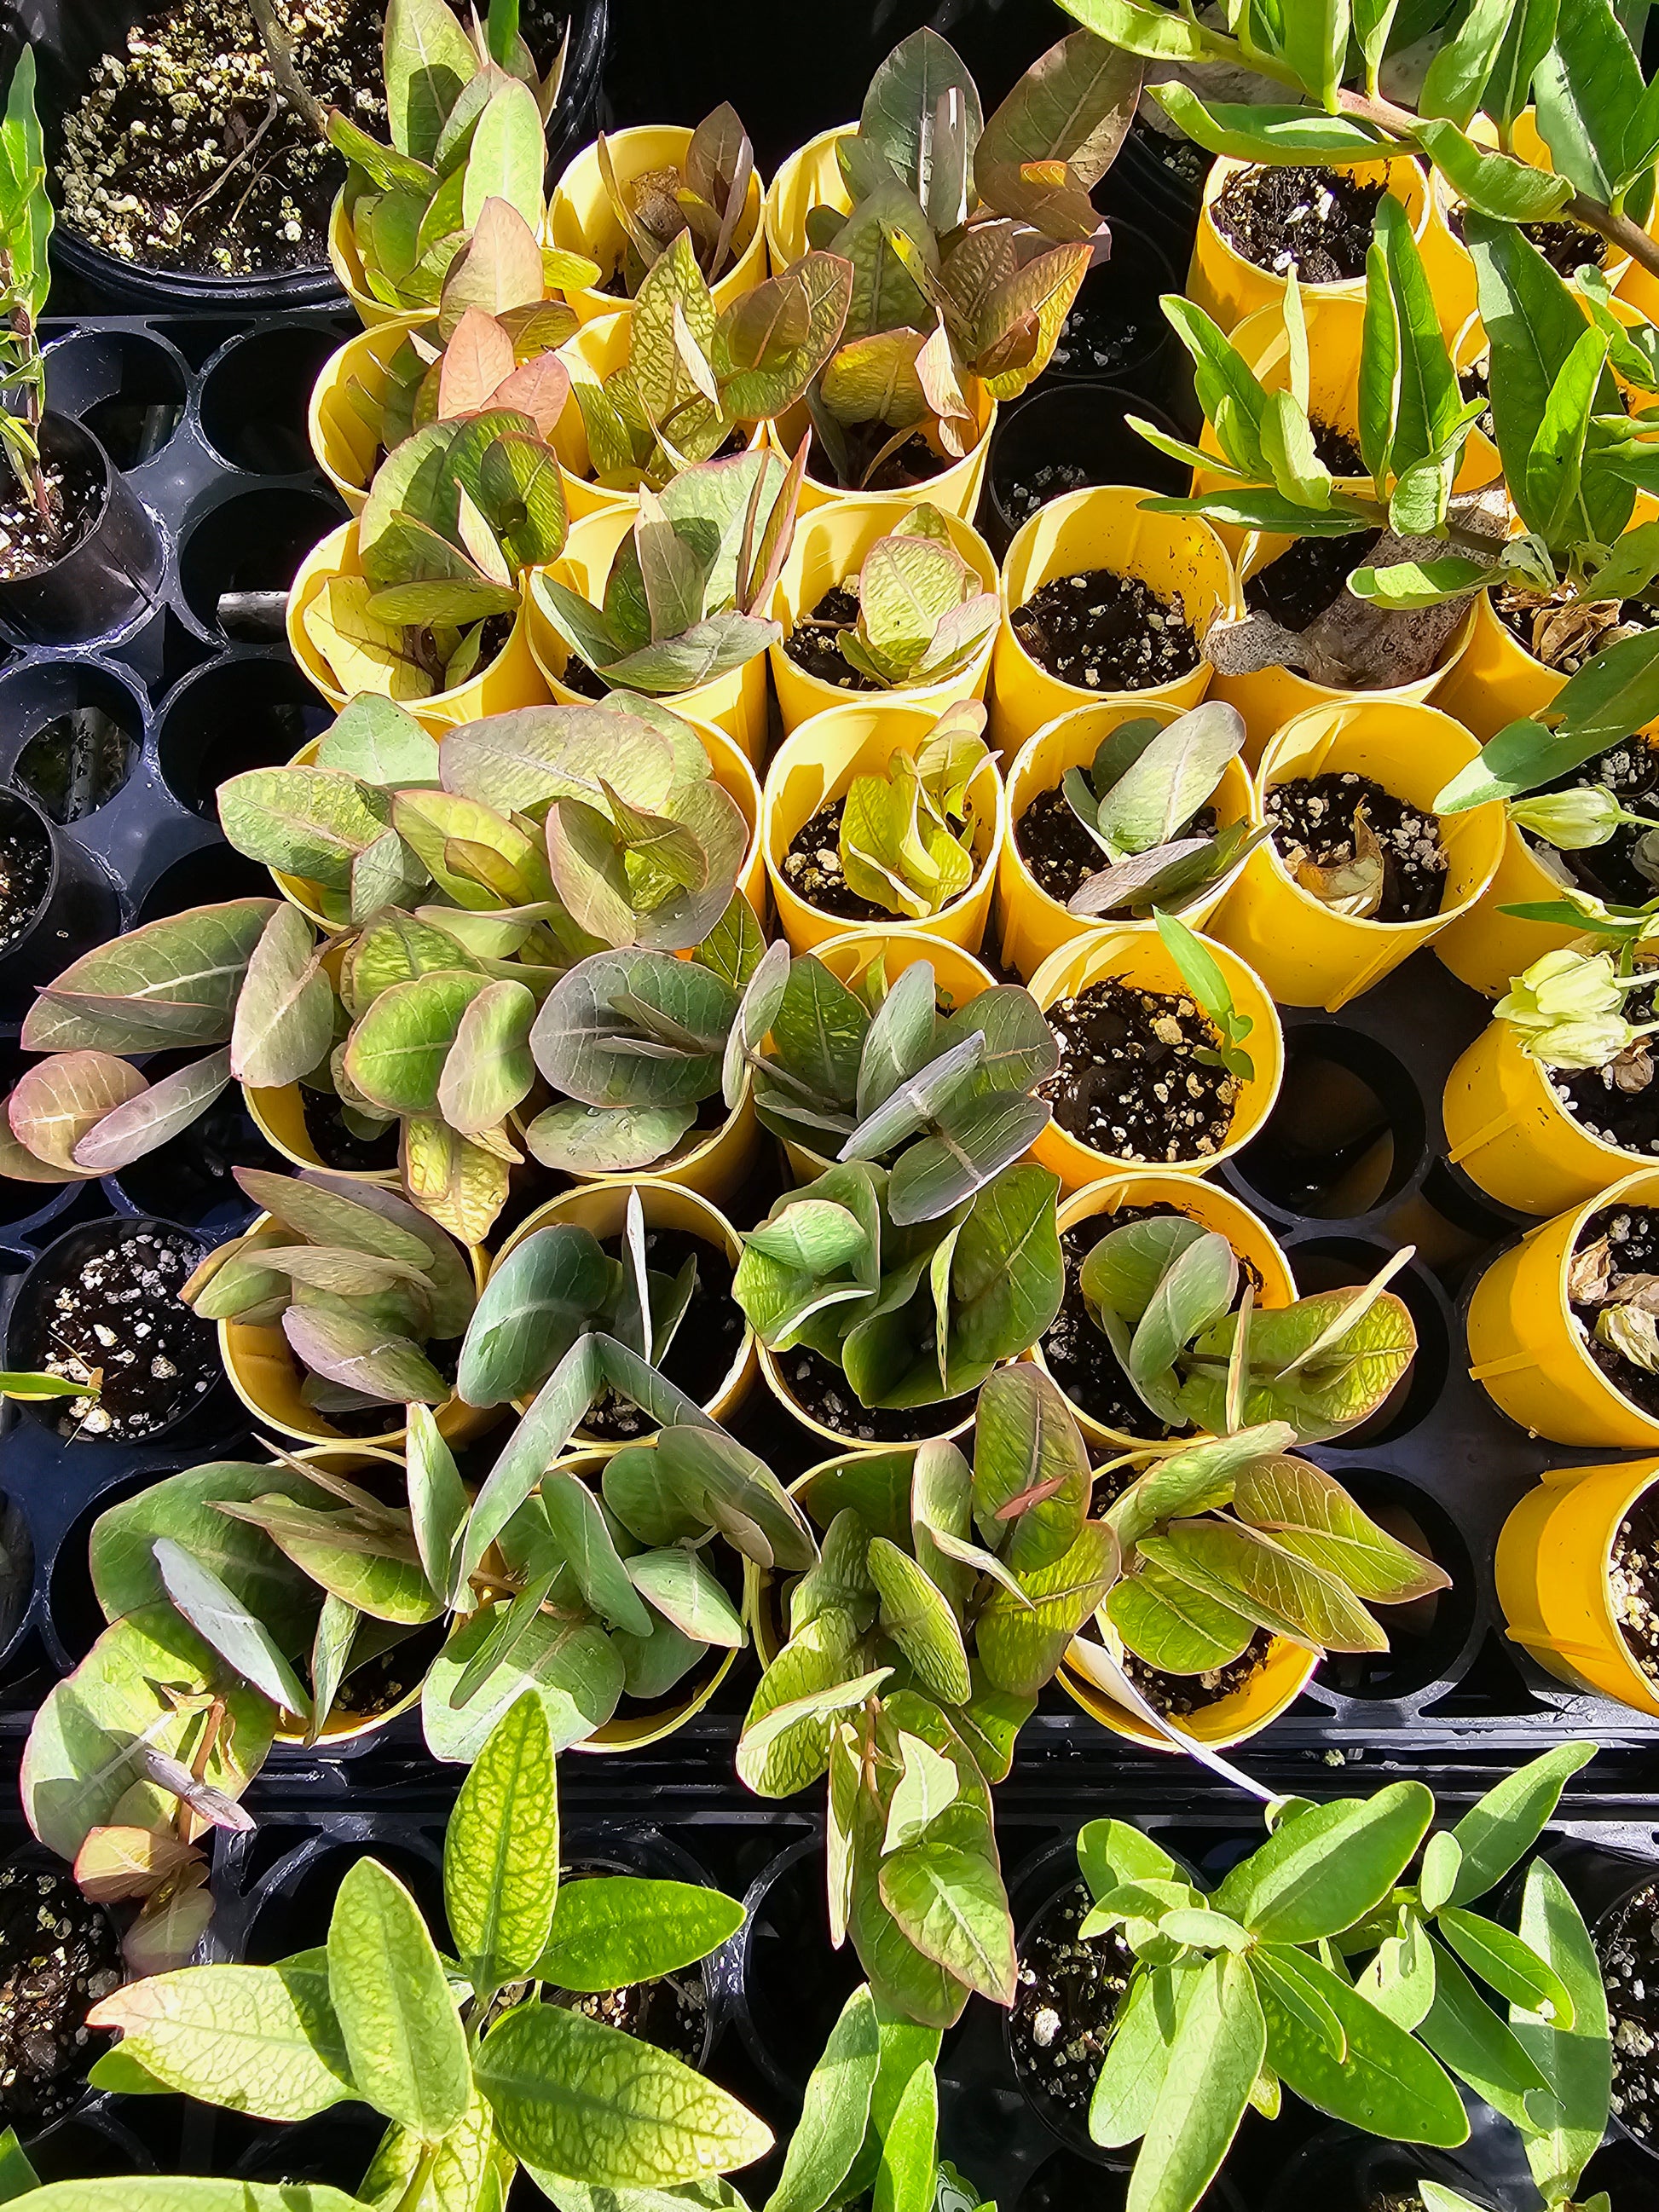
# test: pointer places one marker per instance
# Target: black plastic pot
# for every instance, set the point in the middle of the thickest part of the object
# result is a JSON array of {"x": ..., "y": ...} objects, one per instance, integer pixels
[
  {"x": 1130, "y": 281},
  {"x": 1074, "y": 427},
  {"x": 111, "y": 576},
  {"x": 1342, "y": 2170},
  {"x": 80, "y": 909},
  {"x": 793, "y": 1985},
  {"x": 1148, "y": 192}
]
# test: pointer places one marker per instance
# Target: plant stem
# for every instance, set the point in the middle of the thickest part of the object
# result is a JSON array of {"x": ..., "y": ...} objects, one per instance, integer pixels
[
  {"x": 409, "y": 2201},
  {"x": 280, "y": 54}
]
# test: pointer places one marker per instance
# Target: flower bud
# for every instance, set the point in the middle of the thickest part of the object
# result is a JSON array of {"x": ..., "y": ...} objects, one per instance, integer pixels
[
  {"x": 1563, "y": 987},
  {"x": 1590, "y": 1044},
  {"x": 1569, "y": 820}
]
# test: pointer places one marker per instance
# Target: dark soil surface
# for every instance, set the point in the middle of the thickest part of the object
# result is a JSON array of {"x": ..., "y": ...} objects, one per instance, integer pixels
[
  {"x": 1061, "y": 853},
  {"x": 30, "y": 541},
  {"x": 1312, "y": 819},
  {"x": 1129, "y": 1084},
  {"x": 1319, "y": 219},
  {"x": 25, "y": 875},
  {"x": 1632, "y": 1234},
  {"x": 1629, "y": 1948},
  {"x": 1182, "y": 156},
  {"x": 1557, "y": 630},
  {"x": 1307, "y": 577},
  {"x": 825, "y": 1393},
  {"x": 1613, "y": 1102},
  {"x": 705, "y": 1343},
  {"x": 181, "y": 155},
  {"x": 1177, "y": 1697},
  {"x": 117, "y": 1313},
  {"x": 1104, "y": 632},
  {"x": 813, "y": 644},
  {"x": 1633, "y": 1580},
  {"x": 58, "y": 1956},
  {"x": 1022, "y": 497},
  {"x": 1340, "y": 453},
  {"x": 1565, "y": 245},
  {"x": 336, "y": 1146},
  {"x": 914, "y": 462},
  {"x": 1631, "y": 772},
  {"x": 1475, "y": 383},
  {"x": 1065, "y": 2000},
  {"x": 1103, "y": 334},
  {"x": 576, "y": 676},
  {"x": 387, "y": 1678},
  {"x": 1079, "y": 1356}
]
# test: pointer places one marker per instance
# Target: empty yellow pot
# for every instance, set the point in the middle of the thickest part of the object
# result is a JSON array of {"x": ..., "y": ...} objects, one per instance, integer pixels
[
  {"x": 810, "y": 177},
  {"x": 1105, "y": 527},
  {"x": 1507, "y": 1129},
  {"x": 601, "y": 1208},
  {"x": 343, "y": 440},
  {"x": 735, "y": 704},
  {"x": 1228, "y": 287},
  {"x": 1033, "y": 924},
  {"x": 1140, "y": 957},
  {"x": 816, "y": 765},
  {"x": 1554, "y": 1557},
  {"x": 1525, "y": 1349},
  {"x": 1267, "y": 698},
  {"x": 1306, "y": 955},
  {"x": 958, "y": 980},
  {"x": 266, "y": 1376},
  {"x": 1212, "y": 1207},
  {"x": 581, "y": 219},
  {"x": 1243, "y": 1712},
  {"x": 954, "y": 490},
  {"x": 511, "y": 679},
  {"x": 829, "y": 545}
]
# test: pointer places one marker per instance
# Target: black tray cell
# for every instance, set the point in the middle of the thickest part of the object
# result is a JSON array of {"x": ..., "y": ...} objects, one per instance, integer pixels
[
  {"x": 793, "y": 1984},
  {"x": 16, "y": 1570},
  {"x": 1429, "y": 1638},
  {"x": 81, "y": 906},
  {"x": 1346, "y": 1133},
  {"x": 1063, "y": 435},
  {"x": 253, "y": 541},
  {"x": 87, "y": 2145},
  {"x": 334, "y": 2146},
  {"x": 189, "y": 1180},
  {"x": 74, "y": 1619},
  {"x": 297, "y": 1902},
  {"x": 130, "y": 388},
  {"x": 255, "y": 397},
  {"x": 207, "y": 877},
  {"x": 70, "y": 733},
  {"x": 241, "y": 712}
]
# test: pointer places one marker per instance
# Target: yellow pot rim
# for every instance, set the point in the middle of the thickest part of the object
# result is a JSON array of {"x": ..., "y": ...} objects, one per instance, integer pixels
[
  {"x": 1627, "y": 1187},
  {"x": 847, "y": 1447},
  {"x": 1226, "y": 166},
  {"x": 1120, "y": 1721}
]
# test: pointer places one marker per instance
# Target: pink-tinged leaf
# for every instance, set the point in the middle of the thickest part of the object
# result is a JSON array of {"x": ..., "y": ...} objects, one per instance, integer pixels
[
  {"x": 693, "y": 360},
  {"x": 501, "y": 271},
  {"x": 1035, "y": 1496},
  {"x": 164, "y": 1937},
  {"x": 56, "y": 1105},
  {"x": 359, "y": 1354},
  {"x": 151, "y": 1118},
  {"x": 284, "y": 1021},
  {"x": 1023, "y": 317},
  {"x": 775, "y": 539},
  {"x": 1074, "y": 104},
  {"x": 1046, "y": 196},
  {"x": 538, "y": 388},
  {"x": 17, "y": 1162},
  {"x": 477, "y": 361},
  {"x": 115, "y": 1863},
  {"x": 207, "y": 1803}
]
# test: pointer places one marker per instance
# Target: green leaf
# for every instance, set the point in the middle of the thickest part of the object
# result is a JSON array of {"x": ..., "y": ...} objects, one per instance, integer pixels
[
  {"x": 834, "y": 2111},
  {"x": 1286, "y": 1971},
  {"x": 121, "y": 1555},
  {"x": 1216, "y": 2052},
  {"x": 263, "y": 2040},
  {"x": 737, "y": 1493},
  {"x": 502, "y": 1851},
  {"x": 1272, "y": 1588},
  {"x": 1500, "y": 1828},
  {"x": 587, "y": 1547},
  {"x": 308, "y": 822},
  {"x": 464, "y": 2177},
  {"x": 284, "y": 1021},
  {"x": 1032, "y": 1474},
  {"x": 1506, "y": 1964},
  {"x": 428, "y": 58},
  {"x": 537, "y": 1301},
  {"x": 907, "y": 2173},
  {"x": 217, "y": 1616},
  {"x": 164, "y": 2192},
  {"x": 1110, "y": 1853},
  {"x": 1306, "y": 1512},
  {"x": 1381, "y": 2072},
  {"x": 1399, "y": 1980},
  {"x": 438, "y": 1500},
  {"x": 17, "y": 2176},
  {"x": 1587, "y": 89},
  {"x": 398, "y": 1049},
  {"x": 784, "y": 1743},
  {"x": 1569, "y": 2120},
  {"x": 170, "y": 983},
  {"x": 688, "y": 1592},
  {"x": 610, "y": 1931},
  {"x": 1457, "y": 77},
  {"x": 1321, "y": 1872},
  {"x": 1021, "y": 1646},
  {"x": 571, "y": 1665},
  {"x": 1132, "y": 2075},
  {"x": 580, "y": 2097},
  {"x": 1174, "y": 1626},
  {"x": 926, "y": 1787},
  {"x": 917, "y": 1616},
  {"x": 386, "y": 1982},
  {"x": 951, "y": 1903},
  {"x": 1467, "y": 2035}
]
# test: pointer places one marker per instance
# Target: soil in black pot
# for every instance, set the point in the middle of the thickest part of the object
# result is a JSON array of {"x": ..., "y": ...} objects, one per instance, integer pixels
[
  {"x": 58, "y": 1956},
  {"x": 1564, "y": 630},
  {"x": 336, "y": 1146},
  {"x": 1080, "y": 1355},
  {"x": 671, "y": 2012},
  {"x": 1631, "y": 772},
  {"x": 1184, "y": 158},
  {"x": 1565, "y": 245},
  {"x": 814, "y": 643},
  {"x": 794, "y": 1984},
  {"x": 1103, "y": 333},
  {"x": 812, "y": 869},
  {"x": 1619, "y": 1101},
  {"x": 825, "y": 1393},
  {"x": 1313, "y": 819},
  {"x": 705, "y": 1344},
  {"x": 1025, "y": 495},
  {"x": 1061, "y": 853},
  {"x": 32, "y": 538},
  {"x": 1634, "y": 1582},
  {"x": 116, "y": 1312},
  {"x": 1104, "y": 632},
  {"x": 1305, "y": 579},
  {"x": 1628, "y": 1945},
  {"x": 1067, "y": 1993},
  {"x": 1130, "y": 1083},
  {"x": 1632, "y": 1234},
  {"x": 25, "y": 873},
  {"x": 1319, "y": 219}
]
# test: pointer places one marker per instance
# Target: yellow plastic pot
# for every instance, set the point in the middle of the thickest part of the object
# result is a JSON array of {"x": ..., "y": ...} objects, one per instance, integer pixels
[
  {"x": 771, "y": 1365},
  {"x": 1554, "y": 1557},
  {"x": 1507, "y": 1130},
  {"x": 511, "y": 679},
  {"x": 1485, "y": 948},
  {"x": 954, "y": 490},
  {"x": 1306, "y": 955},
  {"x": 266, "y": 1376},
  {"x": 1106, "y": 527},
  {"x": 1494, "y": 681},
  {"x": 1228, "y": 288},
  {"x": 280, "y": 1119},
  {"x": 957, "y": 976},
  {"x": 810, "y": 177},
  {"x": 1481, "y": 464},
  {"x": 1243, "y": 1712},
  {"x": 602, "y": 1209},
  {"x": 816, "y": 765},
  {"x": 1267, "y": 698},
  {"x": 735, "y": 704},
  {"x": 1140, "y": 957},
  {"x": 1033, "y": 924},
  {"x": 347, "y": 264},
  {"x": 343, "y": 444},
  {"x": 1212, "y": 1207},
  {"x": 1525, "y": 1350},
  {"x": 829, "y": 545},
  {"x": 581, "y": 219}
]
